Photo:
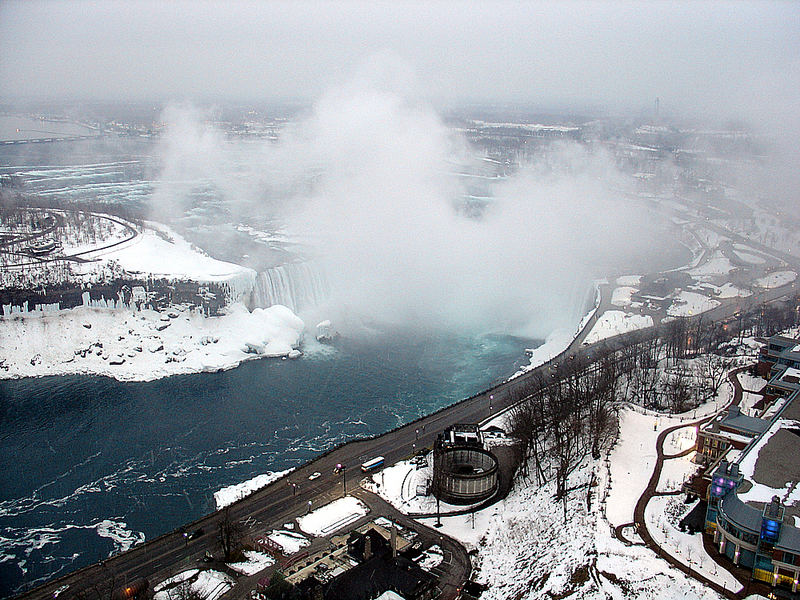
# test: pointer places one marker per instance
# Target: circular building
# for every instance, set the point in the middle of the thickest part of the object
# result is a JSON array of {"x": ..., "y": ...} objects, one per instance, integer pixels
[{"x": 464, "y": 474}]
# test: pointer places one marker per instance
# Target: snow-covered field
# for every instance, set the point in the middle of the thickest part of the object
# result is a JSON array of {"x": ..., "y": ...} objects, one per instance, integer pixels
[
  {"x": 717, "y": 265},
  {"x": 333, "y": 517},
  {"x": 230, "y": 494},
  {"x": 527, "y": 550},
  {"x": 614, "y": 322},
  {"x": 160, "y": 251},
  {"x": 776, "y": 279},
  {"x": 398, "y": 485},
  {"x": 145, "y": 345},
  {"x": 687, "y": 304}
]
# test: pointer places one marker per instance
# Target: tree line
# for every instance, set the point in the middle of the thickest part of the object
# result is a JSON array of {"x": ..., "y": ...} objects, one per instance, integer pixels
[{"x": 563, "y": 415}]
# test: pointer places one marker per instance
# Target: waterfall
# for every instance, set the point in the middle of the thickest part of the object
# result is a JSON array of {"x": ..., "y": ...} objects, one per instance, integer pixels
[{"x": 295, "y": 285}]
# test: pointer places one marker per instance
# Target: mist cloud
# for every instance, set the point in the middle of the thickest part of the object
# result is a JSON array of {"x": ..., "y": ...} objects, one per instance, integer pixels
[{"x": 375, "y": 190}]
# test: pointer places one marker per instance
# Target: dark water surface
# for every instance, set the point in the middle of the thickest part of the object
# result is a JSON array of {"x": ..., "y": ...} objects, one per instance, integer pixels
[{"x": 89, "y": 464}]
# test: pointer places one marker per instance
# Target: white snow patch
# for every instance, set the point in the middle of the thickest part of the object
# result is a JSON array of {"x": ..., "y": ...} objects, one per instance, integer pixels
[
  {"x": 776, "y": 279},
  {"x": 60, "y": 343},
  {"x": 686, "y": 304},
  {"x": 614, "y": 322},
  {"x": 629, "y": 280},
  {"x": 230, "y": 494},
  {"x": 332, "y": 517},
  {"x": 716, "y": 266},
  {"x": 622, "y": 295},
  {"x": 290, "y": 541},
  {"x": 209, "y": 585},
  {"x": 256, "y": 562}
]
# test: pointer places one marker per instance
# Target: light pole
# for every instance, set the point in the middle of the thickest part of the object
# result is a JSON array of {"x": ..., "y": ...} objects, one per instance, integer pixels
[{"x": 340, "y": 468}]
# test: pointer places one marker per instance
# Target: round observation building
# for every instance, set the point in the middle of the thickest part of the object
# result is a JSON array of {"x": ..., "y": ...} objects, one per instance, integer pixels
[{"x": 463, "y": 472}]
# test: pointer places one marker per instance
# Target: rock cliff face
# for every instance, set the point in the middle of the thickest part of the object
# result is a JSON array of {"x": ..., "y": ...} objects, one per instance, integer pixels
[{"x": 157, "y": 294}]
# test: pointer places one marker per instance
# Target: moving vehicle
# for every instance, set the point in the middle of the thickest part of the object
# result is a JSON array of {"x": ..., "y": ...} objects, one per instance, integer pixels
[{"x": 373, "y": 463}]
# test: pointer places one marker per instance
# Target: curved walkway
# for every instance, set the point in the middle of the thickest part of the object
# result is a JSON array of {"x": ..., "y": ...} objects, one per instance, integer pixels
[{"x": 650, "y": 492}]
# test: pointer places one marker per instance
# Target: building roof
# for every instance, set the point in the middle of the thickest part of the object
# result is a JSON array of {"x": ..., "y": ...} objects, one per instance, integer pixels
[
  {"x": 741, "y": 424},
  {"x": 378, "y": 575},
  {"x": 739, "y": 513},
  {"x": 789, "y": 539},
  {"x": 390, "y": 595}
]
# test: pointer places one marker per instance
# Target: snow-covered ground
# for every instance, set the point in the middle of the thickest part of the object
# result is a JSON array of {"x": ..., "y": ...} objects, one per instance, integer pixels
[
  {"x": 629, "y": 280},
  {"x": 527, "y": 550},
  {"x": 752, "y": 259},
  {"x": 332, "y": 517},
  {"x": 687, "y": 304},
  {"x": 622, "y": 295},
  {"x": 399, "y": 484},
  {"x": 684, "y": 547},
  {"x": 144, "y": 345},
  {"x": 776, "y": 279},
  {"x": 209, "y": 585},
  {"x": 632, "y": 460},
  {"x": 160, "y": 251},
  {"x": 717, "y": 265},
  {"x": 230, "y": 494},
  {"x": 431, "y": 558},
  {"x": 614, "y": 322},
  {"x": 291, "y": 541},
  {"x": 256, "y": 562}
]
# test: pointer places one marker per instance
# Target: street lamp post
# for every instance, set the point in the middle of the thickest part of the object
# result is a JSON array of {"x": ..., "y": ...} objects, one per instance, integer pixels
[{"x": 340, "y": 468}]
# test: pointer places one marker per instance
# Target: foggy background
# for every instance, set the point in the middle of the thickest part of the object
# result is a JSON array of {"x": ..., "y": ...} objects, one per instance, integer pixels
[
  {"x": 720, "y": 58},
  {"x": 371, "y": 186},
  {"x": 367, "y": 177}
]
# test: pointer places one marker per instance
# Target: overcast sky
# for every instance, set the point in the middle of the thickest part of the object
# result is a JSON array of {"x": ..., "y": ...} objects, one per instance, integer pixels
[{"x": 705, "y": 57}]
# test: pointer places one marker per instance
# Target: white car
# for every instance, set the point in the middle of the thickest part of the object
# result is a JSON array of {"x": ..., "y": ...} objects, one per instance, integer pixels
[{"x": 314, "y": 475}]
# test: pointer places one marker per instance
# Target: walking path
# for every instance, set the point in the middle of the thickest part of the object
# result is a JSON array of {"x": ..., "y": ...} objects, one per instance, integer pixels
[{"x": 650, "y": 492}]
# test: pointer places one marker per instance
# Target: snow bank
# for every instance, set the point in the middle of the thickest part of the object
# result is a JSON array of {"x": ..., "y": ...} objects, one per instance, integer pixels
[
  {"x": 333, "y": 517},
  {"x": 614, "y": 322},
  {"x": 230, "y": 494},
  {"x": 142, "y": 346}
]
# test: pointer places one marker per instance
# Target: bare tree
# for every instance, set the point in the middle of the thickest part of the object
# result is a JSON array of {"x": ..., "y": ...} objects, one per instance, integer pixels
[{"x": 230, "y": 534}]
